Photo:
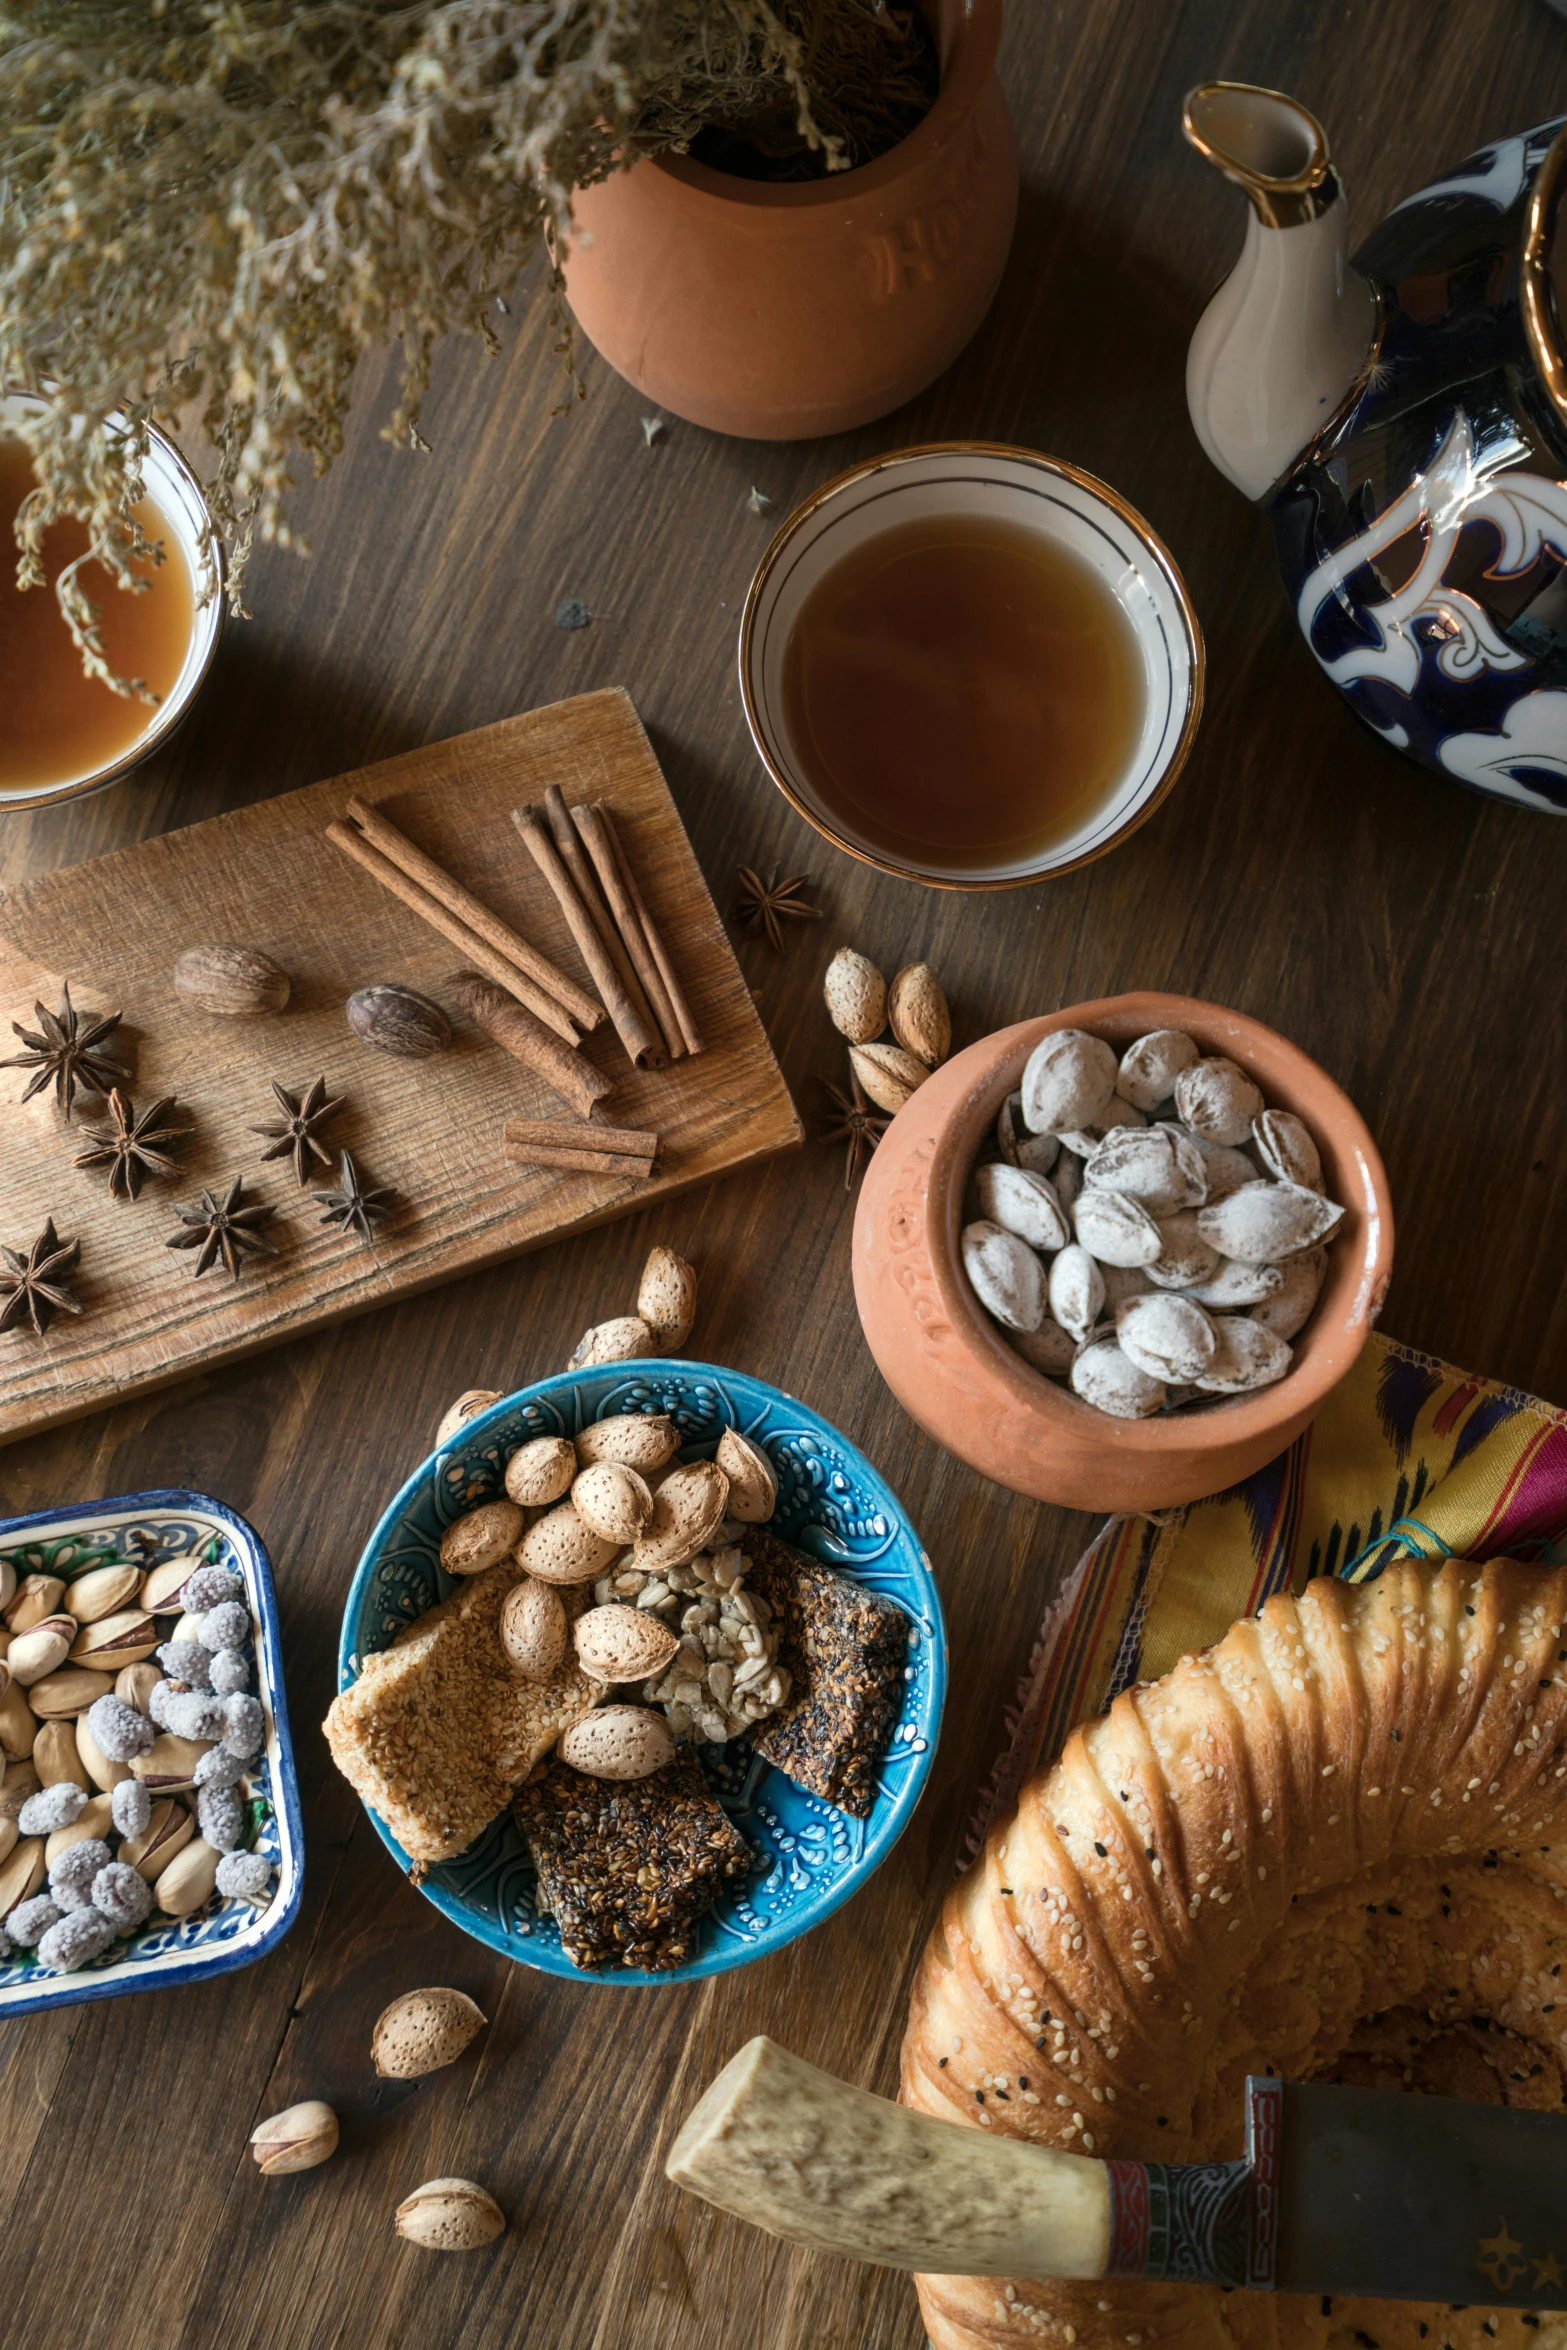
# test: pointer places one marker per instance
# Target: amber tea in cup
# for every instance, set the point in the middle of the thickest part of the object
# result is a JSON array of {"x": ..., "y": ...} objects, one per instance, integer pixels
[
  {"x": 975, "y": 666},
  {"x": 963, "y": 687}
]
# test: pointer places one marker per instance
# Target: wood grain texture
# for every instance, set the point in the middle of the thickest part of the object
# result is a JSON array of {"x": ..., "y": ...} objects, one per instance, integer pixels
[
  {"x": 432, "y": 1130},
  {"x": 1405, "y": 934}
]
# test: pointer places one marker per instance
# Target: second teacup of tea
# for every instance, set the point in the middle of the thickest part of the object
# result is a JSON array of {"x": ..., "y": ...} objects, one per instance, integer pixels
[{"x": 969, "y": 665}]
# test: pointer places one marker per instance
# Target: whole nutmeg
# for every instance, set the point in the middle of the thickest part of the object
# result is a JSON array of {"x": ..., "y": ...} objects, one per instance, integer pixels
[
  {"x": 296, "y": 2139},
  {"x": 423, "y": 2031},
  {"x": 753, "y": 1484},
  {"x": 918, "y": 1015},
  {"x": 619, "y": 1341},
  {"x": 889, "y": 1075},
  {"x": 533, "y": 1629},
  {"x": 643, "y": 1440},
  {"x": 398, "y": 1019},
  {"x": 666, "y": 1298},
  {"x": 457, "y": 1415},
  {"x": 618, "y": 1742},
  {"x": 449, "y": 2215},
  {"x": 234, "y": 982},
  {"x": 687, "y": 1509},
  {"x": 615, "y": 1643},
  {"x": 541, "y": 1471},
  {"x": 481, "y": 1538},
  {"x": 613, "y": 1500},
  {"x": 856, "y": 997}
]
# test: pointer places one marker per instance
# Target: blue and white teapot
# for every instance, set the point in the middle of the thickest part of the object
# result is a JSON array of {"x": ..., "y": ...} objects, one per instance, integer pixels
[{"x": 1402, "y": 421}]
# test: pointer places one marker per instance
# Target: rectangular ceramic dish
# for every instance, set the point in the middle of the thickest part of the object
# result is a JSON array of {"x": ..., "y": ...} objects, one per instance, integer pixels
[{"x": 150, "y": 1529}]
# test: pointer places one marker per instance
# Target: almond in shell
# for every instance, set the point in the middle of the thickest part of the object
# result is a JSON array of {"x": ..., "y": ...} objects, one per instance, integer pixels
[
  {"x": 541, "y": 1471},
  {"x": 481, "y": 1538},
  {"x": 753, "y": 1482},
  {"x": 423, "y": 2032},
  {"x": 449, "y": 2215},
  {"x": 457, "y": 1415},
  {"x": 624, "y": 1340},
  {"x": 618, "y": 1742},
  {"x": 613, "y": 1500},
  {"x": 561, "y": 1548},
  {"x": 918, "y": 1015},
  {"x": 856, "y": 997},
  {"x": 688, "y": 1510},
  {"x": 533, "y": 1629},
  {"x": 889, "y": 1075},
  {"x": 666, "y": 1298},
  {"x": 643, "y": 1440},
  {"x": 615, "y": 1643}
]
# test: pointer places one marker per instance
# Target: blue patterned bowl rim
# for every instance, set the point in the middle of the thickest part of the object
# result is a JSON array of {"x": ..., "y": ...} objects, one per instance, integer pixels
[
  {"x": 223, "y": 1934},
  {"x": 895, "y": 1558}
]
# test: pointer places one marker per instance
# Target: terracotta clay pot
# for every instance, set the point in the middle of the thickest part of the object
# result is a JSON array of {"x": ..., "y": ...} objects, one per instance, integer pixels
[
  {"x": 950, "y": 1366},
  {"x": 781, "y": 312}
]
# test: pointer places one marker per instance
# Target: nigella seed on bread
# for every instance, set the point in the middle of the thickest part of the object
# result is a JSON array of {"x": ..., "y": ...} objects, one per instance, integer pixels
[{"x": 1332, "y": 1846}]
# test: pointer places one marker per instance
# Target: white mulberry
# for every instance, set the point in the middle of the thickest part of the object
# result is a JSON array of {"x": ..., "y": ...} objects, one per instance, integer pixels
[
  {"x": 118, "y": 1730},
  {"x": 130, "y": 1807},
  {"x": 122, "y": 1895},
  {"x": 244, "y": 1726},
  {"x": 183, "y": 1660},
  {"x": 220, "y": 1815},
  {"x": 229, "y": 1672},
  {"x": 225, "y": 1626},
  {"x": 74, "y": 1939},
  {"x": 30, "y": 1919},
  {"x": 51, "y": 1808},
  {"x": 194, "y": 1713},
  {"x": 244, "y": 1874},
  {"x": 210, "y": 1587},
  {"x": 219, "y": 1768},
  {"x": 71, "y": 1873}
]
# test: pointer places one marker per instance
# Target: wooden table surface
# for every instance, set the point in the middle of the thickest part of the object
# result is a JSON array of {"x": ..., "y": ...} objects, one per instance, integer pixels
[{"x": 1406, "y": 934}]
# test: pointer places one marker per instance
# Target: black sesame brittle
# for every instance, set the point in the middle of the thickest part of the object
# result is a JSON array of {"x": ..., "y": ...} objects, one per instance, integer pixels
[
  {"x": 628, "y": 1868},
  {"x": 846, "y": 1649}
]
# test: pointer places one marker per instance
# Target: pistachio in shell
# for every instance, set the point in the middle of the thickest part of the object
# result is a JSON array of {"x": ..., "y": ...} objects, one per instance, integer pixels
[
  {"x": 423, "y": 2031},
  {"x": 296, "y": 2139}
]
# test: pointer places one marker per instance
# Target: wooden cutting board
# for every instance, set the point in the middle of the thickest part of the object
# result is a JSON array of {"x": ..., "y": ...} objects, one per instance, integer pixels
[{"x": 432, "y": 1129}]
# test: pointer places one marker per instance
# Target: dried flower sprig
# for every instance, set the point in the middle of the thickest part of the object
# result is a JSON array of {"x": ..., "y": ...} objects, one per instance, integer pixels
[{"x": 217, "y": 208}]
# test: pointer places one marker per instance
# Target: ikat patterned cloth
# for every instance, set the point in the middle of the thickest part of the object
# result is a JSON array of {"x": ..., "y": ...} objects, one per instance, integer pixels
[{"x": 1408, "y": 1457}]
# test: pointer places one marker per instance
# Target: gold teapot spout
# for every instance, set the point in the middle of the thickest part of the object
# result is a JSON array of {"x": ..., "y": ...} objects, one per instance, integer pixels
[{"x": 1293, "y": 325}]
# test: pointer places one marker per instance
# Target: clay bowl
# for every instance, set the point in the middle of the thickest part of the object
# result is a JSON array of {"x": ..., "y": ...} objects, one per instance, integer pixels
[{"x": 950, "y": 1366}]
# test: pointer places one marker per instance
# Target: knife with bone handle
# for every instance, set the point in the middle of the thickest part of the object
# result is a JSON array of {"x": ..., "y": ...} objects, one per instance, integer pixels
[{"x": 1352, "y": 2191}]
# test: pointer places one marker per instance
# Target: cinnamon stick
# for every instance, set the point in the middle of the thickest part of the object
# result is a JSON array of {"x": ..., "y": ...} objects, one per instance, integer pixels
[
  {"x": 572, "y": 856},
  {"x": 518, "y": 1033},
  {"x": 383, "y": 834},
  {"x": 419, "y": 901},
  {"x": 596, "y": 840},
  {"x": 639, "y": 1036},
  {"x": 623, "y": 1142},
  {"x": 527, "y": 1153},
  {"x": 682, "y": 1010}
]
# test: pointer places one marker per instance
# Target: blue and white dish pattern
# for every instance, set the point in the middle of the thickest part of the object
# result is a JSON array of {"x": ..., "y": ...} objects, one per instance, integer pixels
[
  {"x": 831, "y": 1503},
  {"x": 1423, "y": 535},
  {"x": 149, "y": 1529}
]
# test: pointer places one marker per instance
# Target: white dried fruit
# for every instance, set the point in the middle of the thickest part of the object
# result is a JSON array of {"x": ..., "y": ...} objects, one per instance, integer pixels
[
  {"x": 1023, "y": 1203},
  {"x": 1245, "y": 1356},
  {"x": 1006, "y": 1276},
  {"x": 1167, "y": 1336},
  {"x": 541, "y": 1471},
  {"x": 1224, "y": 1170},
  {"x": 666, "y": 1298},
  {"x": 1076, "y": 1290},
  {"x": 889, "y": 1075},
  {"x": 1068, "y": 1080},
  {"x": 1285, "y": 1145},
  {"x": 1150, "y": 1067},
  {"x": 1115, "y": 1230},
  {"x": 753, "y": 1481},
  {"x": 1108, "y": 1379},
  {"x": 533, "y": 1629},
  {"x": 1217, "y": 1100},
  {"x": 1288, "y": 1307},
  {"x": 1264, "y": 1222},
  {"x": 1234, "y": 1285},
  {"x": 856, "y": 997},
  {"x": 1184, "y": 1258},
  {"x": 1157, "y": 1165},
  {"x": 1049, "y": 1349},
  {"x": 918, "y": 1015}
]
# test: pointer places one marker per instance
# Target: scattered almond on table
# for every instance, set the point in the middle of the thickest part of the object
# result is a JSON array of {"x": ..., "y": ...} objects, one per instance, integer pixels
[{"x": 883, "y": 1074}]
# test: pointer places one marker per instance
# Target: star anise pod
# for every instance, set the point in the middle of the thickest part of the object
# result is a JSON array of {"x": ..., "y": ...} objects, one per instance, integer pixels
[
  {"x": 131, "y": 1148},
  {"x": 224, "y": 1229},
  {"x": 767, "y": 905},
  {"x": 295, "y": 1131},
  {"x": 63, "y": 1052},
  {"x": 350, "y": 1206},
  {"x": 854, "y": 1122},
  {"x": 34, "y": 1288}
]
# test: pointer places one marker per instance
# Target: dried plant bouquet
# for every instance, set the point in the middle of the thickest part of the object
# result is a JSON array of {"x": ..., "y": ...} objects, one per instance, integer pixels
[{"x": 217, "y": 205}]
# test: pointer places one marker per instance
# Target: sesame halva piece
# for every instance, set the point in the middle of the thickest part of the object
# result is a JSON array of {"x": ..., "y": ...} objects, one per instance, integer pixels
[
  {"x": 628, "y": 1868},
  {"x": 845, "y": 1648}
]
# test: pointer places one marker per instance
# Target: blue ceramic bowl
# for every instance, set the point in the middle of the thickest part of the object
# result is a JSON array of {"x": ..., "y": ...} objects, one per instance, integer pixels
[
  {"x": 151, "y": 1529},
  {"x": 831, "y": 1503}
]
